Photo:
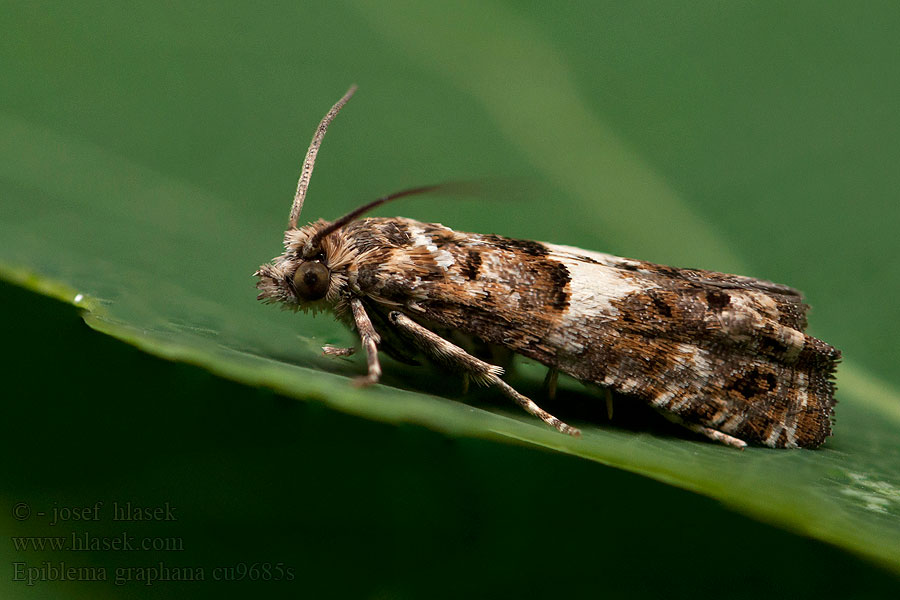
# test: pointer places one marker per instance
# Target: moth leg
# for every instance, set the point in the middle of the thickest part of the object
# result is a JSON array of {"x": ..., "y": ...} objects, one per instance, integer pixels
[
  {"x": 335, "y": 351},
  {"x": 370, "y": 339},
  {"x": 713, "y": 434},
  {"x": 550, "y": 382},
  {"x": 454, "y": 357},
  {"x": 718, "y": 436},
  {"x": 533, "y": 408},
  {"x": 609, "y": 403}
]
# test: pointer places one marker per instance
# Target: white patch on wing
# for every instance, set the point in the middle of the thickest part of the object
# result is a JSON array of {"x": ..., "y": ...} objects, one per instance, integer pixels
[
  {"x": 795, "y": 341},
  {"x": 776, "y": 433},
  {"x": 793, "y": 418},
  {"x": 801, "y": 385},
  {"x": 698, "y": 360},
  {"x": 593, "y": 286},
  {"x": 629, "y": 385},
  {"x": 492, "y": 267},
  {"x": 420, "y": 239},
  {"x": 610, "y": 260},
  {"x": 442, "y": 258},
  {"x": 663, "y": 398},
  {"x": 766, "y": 302},
  {"x": 688, "y": 357}
]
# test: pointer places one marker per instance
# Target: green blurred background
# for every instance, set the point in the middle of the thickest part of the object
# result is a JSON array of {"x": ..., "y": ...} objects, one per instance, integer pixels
[{"x": 148, "y": 155}]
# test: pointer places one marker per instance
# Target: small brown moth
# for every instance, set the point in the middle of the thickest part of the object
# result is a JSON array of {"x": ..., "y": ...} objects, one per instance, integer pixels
[{"x": 724, "y": 355}]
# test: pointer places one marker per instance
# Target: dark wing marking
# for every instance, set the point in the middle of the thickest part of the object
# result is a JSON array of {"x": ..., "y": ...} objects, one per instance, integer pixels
[
  {"x": 722, "y": 350},
  {"x": 791, "y": 311}
]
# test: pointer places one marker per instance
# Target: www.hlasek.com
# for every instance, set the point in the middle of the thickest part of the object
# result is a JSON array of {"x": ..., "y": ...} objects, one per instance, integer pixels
[
  {"x": 160, "y": 572},
  {"x": 84, "y": 541}
]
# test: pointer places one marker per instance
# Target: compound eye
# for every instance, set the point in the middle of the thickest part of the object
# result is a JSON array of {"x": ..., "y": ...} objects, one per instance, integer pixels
[{"x": 311, "y": 280}]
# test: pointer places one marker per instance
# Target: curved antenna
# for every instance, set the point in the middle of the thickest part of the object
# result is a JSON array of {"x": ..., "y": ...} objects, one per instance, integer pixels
[
  {"x": 310, "y": 160},
  {"x": 312, "y": 244}
]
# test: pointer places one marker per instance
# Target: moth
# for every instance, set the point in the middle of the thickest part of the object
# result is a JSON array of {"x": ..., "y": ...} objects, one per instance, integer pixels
[{"x": 724, "y": 355}]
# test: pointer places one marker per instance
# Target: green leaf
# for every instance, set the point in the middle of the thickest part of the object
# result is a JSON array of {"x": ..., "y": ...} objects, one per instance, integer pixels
[{"x": 145, "y": 177}]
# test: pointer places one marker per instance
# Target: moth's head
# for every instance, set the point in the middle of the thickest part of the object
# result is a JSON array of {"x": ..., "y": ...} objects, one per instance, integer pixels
[
  {"x": 303, "y": 274},
  {"x": 312, "y": 270},
  {"x": 314, "y": 266}
]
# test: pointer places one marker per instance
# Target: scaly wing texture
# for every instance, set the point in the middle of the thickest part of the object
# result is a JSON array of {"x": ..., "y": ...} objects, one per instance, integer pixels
[{"x": 724, "y": 351}]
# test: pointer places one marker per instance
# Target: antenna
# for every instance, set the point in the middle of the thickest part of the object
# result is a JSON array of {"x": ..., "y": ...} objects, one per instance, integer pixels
[
  {"x": 310, "y": 159},
  {"x": 313, "y": 242}
]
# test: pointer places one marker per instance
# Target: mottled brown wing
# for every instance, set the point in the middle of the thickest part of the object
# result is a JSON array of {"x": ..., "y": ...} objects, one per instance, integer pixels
[{"x": 725, "y": 351}]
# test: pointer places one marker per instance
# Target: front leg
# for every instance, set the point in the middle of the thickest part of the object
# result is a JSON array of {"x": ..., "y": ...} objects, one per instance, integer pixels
[
  {"x": 454, "y": 357},
  {"x": 370, "y": 339}
]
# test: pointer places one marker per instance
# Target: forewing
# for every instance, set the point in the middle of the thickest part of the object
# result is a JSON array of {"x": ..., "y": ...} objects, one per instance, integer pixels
[{"x": 721, "y": 350}]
